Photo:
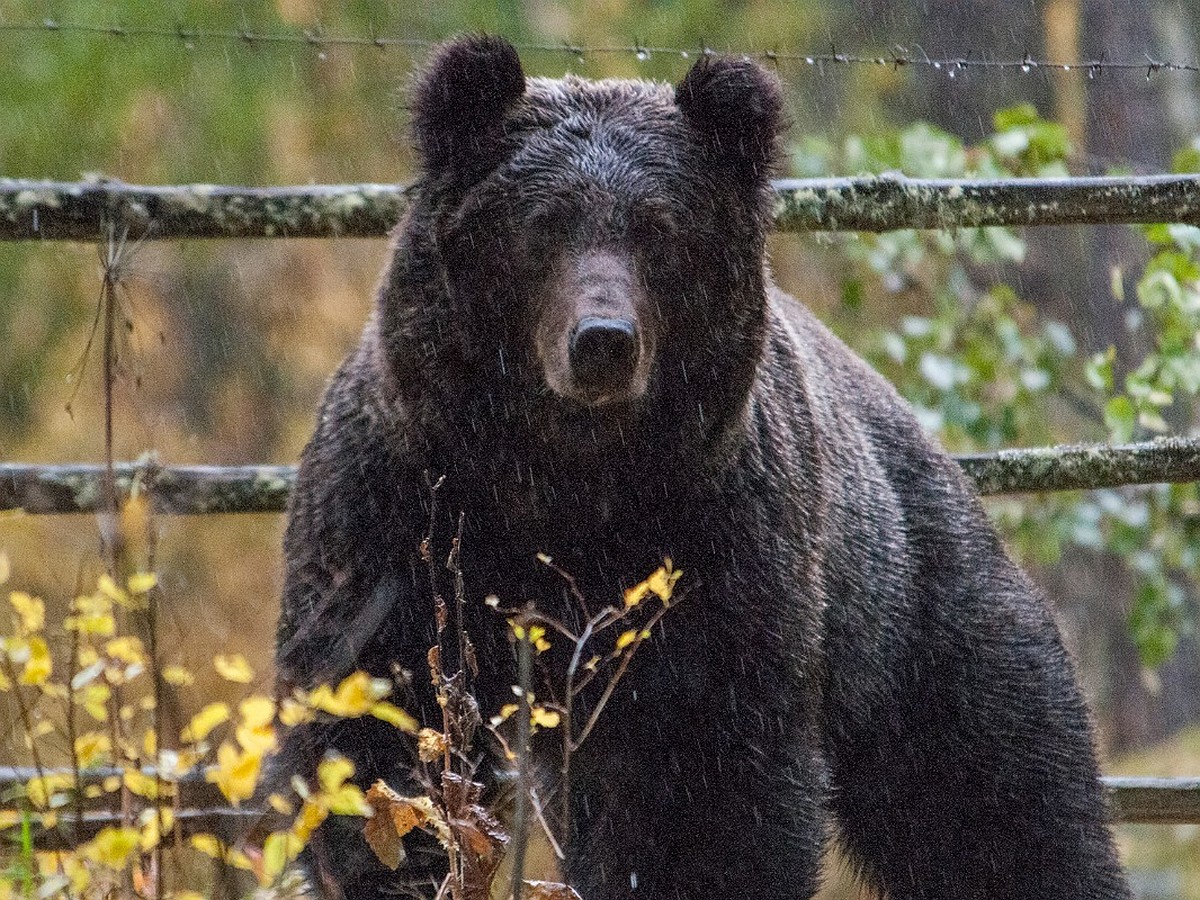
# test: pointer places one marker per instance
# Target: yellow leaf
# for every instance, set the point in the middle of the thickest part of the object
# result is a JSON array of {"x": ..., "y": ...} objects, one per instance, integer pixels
[
  {"x": 144, "y": 785},
  {"x": 9, "y": 818},
  {"x": 95, "y": 699},
  {"x": 127, "y": 649},
  {"x": 205, "y": 721},
  {"x": 155, "y": 822},
  {"x": 111, "y": 847},
  {"x": 348, "y": 800},
  {"x": 185, "y": 895},
  {"x": 256, "y": 733},
  {"x": 150, "y": 743},
  {"x": 5, "y": 567},
  {"x": 293, "y": 713},
  {"x": 31, "y": 612},
  {"x": 235, "y": 774},
  {"x": 142, "y": 582},
  {"x": 38, "y": 667},
  {"x": 395, "y": 716},
  {"x": 5, "y": 684},
  {"x": 279, "y": 849},
  {"x": 431, "y": 745},
  {"x": 626, "y": 638},
  {"x": 661, "y": 583},
  {"x": 333, "y": 772},
  {"x": 92, "y": 615},
  {"x": 177, "y": 676},
  {"x": 257, "y": 711},
  {"x": 355, "y": 696},
  {"x": 92, "y": 749},
  {"x": 311, "y": 815},
  {"x": 545, "y": 718},
  {"x": 280, "y": 804},
  {"x": 233, "y": 668},
  {"x": 505, "y": 711},
  {"x": 208, "y": 845},
  {"x": 238, "y": 859},
  {"x": 112, "y": 590}
]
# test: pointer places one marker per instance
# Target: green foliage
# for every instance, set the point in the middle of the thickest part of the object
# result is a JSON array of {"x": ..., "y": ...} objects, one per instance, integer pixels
[{"x": 983, "y": 370}]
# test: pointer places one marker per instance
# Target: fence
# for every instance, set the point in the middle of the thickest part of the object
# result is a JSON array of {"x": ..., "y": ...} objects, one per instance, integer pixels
[{"x": 93, "y": 211}]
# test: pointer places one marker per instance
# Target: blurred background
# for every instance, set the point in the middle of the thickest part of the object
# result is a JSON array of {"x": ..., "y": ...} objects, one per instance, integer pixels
[{"x": 226, "y": 345}]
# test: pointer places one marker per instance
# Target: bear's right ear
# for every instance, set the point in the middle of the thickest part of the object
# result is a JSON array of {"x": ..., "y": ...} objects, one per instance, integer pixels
[{"x": 461, "y": 97}]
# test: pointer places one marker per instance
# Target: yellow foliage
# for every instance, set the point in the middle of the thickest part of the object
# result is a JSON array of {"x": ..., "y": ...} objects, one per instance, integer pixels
[
  {"x": 30, "y": 613},
  {"x": 279, "y": 849},
  {"x": 395, "y": 716},
  {"x": 35, "y": 654},
  {"x": 128, "y": 649},
  {"x": 142, "y": 583},
  {"x": 93, "y": 615},
  {"x": 233, "y": 668},
  {"x": 333, "y": 772},
  {"x": 111, "y": 847},
  {"x": 312, "y": 814},
  {"x": 293, "y": 713},
  {"x": 155, "y": 822},
  {"x": 354, "y": 697},
  {"x": 144, "y": 785},
  {"x": 177, "y": 676},
  {"x": 235, "y": 774},
  {"x": 544, "y": 718},
  {"x": 5, "y": 567},
  {"x": 205, "y": 721},
  {"x": 95, "y": 699},
  {"x": 113, "y": 591},
  {"x": 92, "y": 749},
  {"x": 661, "y": 583},
  {"x": 256, "y": 732}
]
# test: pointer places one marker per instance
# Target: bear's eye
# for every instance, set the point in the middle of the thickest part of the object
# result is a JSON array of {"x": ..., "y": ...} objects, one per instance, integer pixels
[{"x": 653, "y": 222}]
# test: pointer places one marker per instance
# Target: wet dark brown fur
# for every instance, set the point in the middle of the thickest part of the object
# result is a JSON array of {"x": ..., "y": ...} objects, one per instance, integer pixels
[{"x": 856, "y": 648}]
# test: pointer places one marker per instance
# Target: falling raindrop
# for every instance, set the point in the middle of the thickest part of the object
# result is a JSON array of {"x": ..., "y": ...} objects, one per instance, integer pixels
[
  {"x": 809, "y": 60},
  {"x": 322, "y": 56},
  {"x": 1025, "y": 68},
  {"x": 684, "y": 54},
  {"x": 951, "y": 73},
  {"x": 642, "y": 55}
]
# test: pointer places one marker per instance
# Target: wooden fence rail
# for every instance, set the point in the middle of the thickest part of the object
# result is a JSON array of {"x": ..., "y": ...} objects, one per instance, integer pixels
[
  {"x": 186, "y": 490},
  {"x": 83, "y": 211},
  {"x": 199, "y": 807}
]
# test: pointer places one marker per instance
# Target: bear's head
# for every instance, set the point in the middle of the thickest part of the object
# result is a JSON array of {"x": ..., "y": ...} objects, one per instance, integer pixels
[{"x": 594, "y": 249}]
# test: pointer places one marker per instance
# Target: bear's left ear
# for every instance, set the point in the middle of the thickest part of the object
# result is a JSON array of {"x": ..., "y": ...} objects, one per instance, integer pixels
[
  {"x": 461, "y": 97},
  {"x": 737, "y": 107}
]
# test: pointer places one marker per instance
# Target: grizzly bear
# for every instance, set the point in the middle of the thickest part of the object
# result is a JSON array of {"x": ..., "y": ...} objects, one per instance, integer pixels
[{"x": 578, "y": 333}]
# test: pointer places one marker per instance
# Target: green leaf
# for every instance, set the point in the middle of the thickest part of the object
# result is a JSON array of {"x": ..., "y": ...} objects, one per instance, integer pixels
[
  {"x": 1119, "y": 417},
  {"x": 1015, "y": 116}
]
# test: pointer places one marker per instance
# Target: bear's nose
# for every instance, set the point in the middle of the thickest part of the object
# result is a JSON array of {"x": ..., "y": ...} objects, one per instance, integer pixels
[{"x": 603, "y": 351}]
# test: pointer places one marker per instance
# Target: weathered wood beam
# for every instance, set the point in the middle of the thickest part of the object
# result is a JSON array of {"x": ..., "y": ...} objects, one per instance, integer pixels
[
  {"x": 185, "y": 490},
  {"x": 84, "y": 211}
]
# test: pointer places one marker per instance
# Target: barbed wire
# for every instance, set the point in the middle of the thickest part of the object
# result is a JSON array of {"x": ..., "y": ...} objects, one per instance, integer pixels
[{"x": 190, "y": 36}]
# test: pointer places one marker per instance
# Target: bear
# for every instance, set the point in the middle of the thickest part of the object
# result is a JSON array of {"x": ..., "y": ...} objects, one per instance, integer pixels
[{"x": 578, "y": 337}]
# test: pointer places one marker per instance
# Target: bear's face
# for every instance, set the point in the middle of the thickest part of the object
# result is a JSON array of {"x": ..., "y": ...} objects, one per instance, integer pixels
[{"x": 601, "y": 241}]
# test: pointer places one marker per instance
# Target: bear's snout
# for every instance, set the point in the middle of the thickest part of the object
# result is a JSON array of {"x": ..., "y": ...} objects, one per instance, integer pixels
[
  {"x": 594, "y": 336},
  {"x": 603, "y": 352}
]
